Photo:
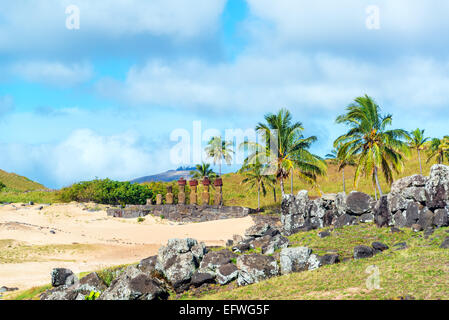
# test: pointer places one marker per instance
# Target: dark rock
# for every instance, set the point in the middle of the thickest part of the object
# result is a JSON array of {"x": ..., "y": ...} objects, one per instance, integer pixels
[
  {"x": 229, "y": 243},
  {"x": 361, "y": 252},
  {"x": 133, "y": 284},
  {"x": 426, "y": 218},
  {"x": 324, "y": 234},
  {"x": 227, "y": 273},
  {"x": 178, "y": 260},
  {"x": 148, "y": 265},
  {"x": 345, "y": 220},
  {"x": 257, "y": 230},
  {"x": 366, "y": 217},
  {"x": 6, "y": 289},
  {"x": 215, "y": 259},
  {"x": 358, "y": 203},
  {"x": 240, "y": 248},
  {"x": 412, "y": 214},
  {"x": 328, "y": 259},
  {"x": 255, "y": 267},
  {"x": 437, "y": 187},
  {"x": 298, "y": 259},
  {"x": 92, "y": 282},
  {"x": 445, "y": 244},
  {"x": 395, "y": 230},
  {"x": 52, "y": 231},
  {"x": 400, "y": 246},
  {"x": 416, "y": 227},
  {"x": 428, "y": 232},
  {"x": 379, "y": 246},
  {"x": 62, "y": 277},
  {"x": 382, "y": 215},
  {"x": 399, "y": 219},
  {"x": 441, "y": 218},
  {"x": 198, "y": 279}
]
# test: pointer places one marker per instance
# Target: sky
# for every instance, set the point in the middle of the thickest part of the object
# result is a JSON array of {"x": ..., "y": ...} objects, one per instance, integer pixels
[{"x": 99, "y": 89}]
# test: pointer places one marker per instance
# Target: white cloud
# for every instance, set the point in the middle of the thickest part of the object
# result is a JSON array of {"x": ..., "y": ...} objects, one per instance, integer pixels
[
  {"x": 54, "y": 73},
  {"x": 84, "y": 155},
  {"x": 303, "y": 82}
]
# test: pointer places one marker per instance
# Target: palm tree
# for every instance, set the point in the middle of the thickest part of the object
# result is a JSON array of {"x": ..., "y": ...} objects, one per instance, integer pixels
[
  {"x": 341, "y": 161},
  {"x": 203, "y": 170},
  {"x": 286, "y": 148},
  {"x": 256, "y": 176},
  {"x": 417, "y": 142},
  {"x": 375, "y": 147},
  {"x": 219, "y": 150},
  {"x": 439, "y": 149}
]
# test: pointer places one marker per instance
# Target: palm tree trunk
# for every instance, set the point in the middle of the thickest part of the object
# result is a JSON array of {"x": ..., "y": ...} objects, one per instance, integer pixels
[
  {"x": 375, "y": 191},
  {"x": 419, "y": 158},
  {"x": 258, "y": 196},
  {"x": 274, "y": 194},
  {"x": 377, "y": 182},
  {"x": 291, "y": 181},
  {"x": 219, "y": 168},
  {"x": 344, "y": 183},
  {"x": 281, "y": 183}
]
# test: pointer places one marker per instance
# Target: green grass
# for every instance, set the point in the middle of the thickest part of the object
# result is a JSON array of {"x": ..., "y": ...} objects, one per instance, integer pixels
[
  {"x": 30, "y": 294},
  {"x": 18, "y": 183},
  {"x": 25, "y": 197},
  {"x": 420, "y": 271}
]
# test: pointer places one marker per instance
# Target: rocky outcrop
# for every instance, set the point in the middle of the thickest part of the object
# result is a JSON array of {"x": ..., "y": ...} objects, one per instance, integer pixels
[
  {"x": 255, "y": 267},
  {"x": 178, "y": 261},
  {"x": 414, "y": 200}
]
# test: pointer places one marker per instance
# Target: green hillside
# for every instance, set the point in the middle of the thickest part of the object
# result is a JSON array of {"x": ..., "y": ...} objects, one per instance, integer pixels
[{"x": 19, "y": 183}]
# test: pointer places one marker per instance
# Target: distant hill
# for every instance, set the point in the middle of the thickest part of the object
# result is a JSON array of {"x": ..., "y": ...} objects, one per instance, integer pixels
[
  {"x": 19, "y": 183},
  {"x": 170, "y": 175}
]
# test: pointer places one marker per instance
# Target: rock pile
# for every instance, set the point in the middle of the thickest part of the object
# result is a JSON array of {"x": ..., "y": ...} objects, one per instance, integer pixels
[{"x": 417, "y": 202}]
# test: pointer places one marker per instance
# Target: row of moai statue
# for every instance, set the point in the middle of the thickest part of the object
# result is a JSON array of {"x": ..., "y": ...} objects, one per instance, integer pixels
[{"x": 205, "y": 196}]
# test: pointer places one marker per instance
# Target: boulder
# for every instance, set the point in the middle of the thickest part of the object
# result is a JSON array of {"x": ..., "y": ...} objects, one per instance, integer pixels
[
  {"x": 425, "y": 218},
  {"x": 294, "y": 259},
  {"x": 399, "y": 219},
  {"x": 361, "y": 252},
  {"x": 397, "y": 202},
  {"x": 178, "y": 260},
  {"x": 294, "y": 210},
  {"x": 268, "y": 244},
  {"x": 329, "y": 259},
  {"x": 324, "y": 234},
  {"x": 340, "y": 204},
  {"x": 416, "y": 227},
  {"x": 62, "y": 277},
  {"x": 133, "y": 284},
  {"x": 215, "y": 259},
  {"x": 227, "y": 273},
  {"x": 400, "y": 246},
  {"x": 198, "y": 279},
  {"x": 257, "y": 230},
  {"x": 382, "y": 214},
  {"x": 358, "y": 203},
  {"x": 412, "y": 214},
  {"x": 314, "y": 262},
  {"x": 255, "y": 267},
  {"x": 445, "y": 244},
  {"x": 437, "y": 187},
  {"x": 148, "y": 265},
  {"x": 441, "y": 218},
  {"x": 345, "y": 220},
  {"x": 241, "y": 247},
  {"x": 379, "y": 246},
  {"x": 366, "y": 217}
]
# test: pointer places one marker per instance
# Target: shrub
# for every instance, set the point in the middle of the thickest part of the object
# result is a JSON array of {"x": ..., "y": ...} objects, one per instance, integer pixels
[
  {"x": 2, "y": 186},
  {"x": 106, "y": 192}
]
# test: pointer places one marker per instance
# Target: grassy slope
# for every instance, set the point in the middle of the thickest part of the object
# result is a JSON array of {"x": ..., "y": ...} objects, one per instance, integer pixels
[
  {"x": 236, "y": 194},
  {"x": 18, "y": 183},
  {"x": 420, "y": 271}
]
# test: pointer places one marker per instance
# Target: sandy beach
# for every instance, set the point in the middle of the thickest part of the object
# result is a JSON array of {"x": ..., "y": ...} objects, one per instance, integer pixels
[{"x": 35, "y": 239}]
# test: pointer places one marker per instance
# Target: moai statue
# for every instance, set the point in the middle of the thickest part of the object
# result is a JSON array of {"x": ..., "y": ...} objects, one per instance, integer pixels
[
  {"x": 149, "y": 202},
  {"x": 218, "y": 199},
  {"x": 159, "y": 199},
  {"x": 193, "y": 195},
  {"x": 206, "y": 195},
  {"x": 182, "y": 191},
  {"x": 169, "y": 195}
]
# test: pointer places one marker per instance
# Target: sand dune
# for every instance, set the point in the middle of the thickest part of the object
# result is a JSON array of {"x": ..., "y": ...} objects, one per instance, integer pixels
[{"x": 34, "y": 241}]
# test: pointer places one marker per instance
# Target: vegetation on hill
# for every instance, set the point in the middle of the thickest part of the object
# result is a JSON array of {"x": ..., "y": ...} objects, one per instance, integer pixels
[{"x": 14, "y": 182}]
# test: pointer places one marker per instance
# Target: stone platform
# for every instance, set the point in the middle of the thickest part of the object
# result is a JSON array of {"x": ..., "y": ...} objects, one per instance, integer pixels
[{"x": 180, "y": 212}]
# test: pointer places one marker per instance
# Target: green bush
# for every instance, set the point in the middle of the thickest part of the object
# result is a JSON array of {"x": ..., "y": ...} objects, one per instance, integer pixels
[
  {"x": 106, "y": 192},
  {"x": 2, "y": 186}
]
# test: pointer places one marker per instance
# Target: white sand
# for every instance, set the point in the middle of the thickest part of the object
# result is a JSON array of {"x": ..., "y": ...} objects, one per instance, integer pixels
[{"x": 112, "y": 241}]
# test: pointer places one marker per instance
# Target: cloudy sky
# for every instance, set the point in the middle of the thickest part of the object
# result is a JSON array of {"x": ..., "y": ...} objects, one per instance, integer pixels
[{"x": 102, "y": 100}]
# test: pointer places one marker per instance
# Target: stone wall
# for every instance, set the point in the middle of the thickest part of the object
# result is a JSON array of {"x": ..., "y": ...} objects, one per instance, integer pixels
[
  {"x": 417, "y": 201},
  {"x": 181, "y": 213}
]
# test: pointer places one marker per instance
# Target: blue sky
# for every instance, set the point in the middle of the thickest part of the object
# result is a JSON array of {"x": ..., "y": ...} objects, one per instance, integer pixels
[{"x": 102, "y": 101}]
